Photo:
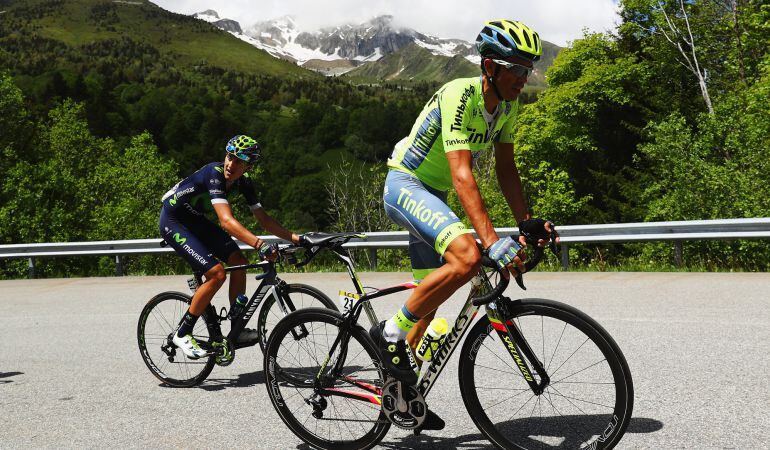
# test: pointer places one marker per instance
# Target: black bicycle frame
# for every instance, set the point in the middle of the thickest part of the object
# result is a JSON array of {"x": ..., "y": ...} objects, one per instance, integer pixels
[
  {"x": 269, "y": 283},
  {"x": 496, "y": 310}
]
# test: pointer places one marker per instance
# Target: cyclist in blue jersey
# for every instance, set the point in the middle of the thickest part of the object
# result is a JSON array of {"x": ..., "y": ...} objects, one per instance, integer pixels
[
  {"x": 463, "y": 117},
  {"x": 203, "y": 244}
]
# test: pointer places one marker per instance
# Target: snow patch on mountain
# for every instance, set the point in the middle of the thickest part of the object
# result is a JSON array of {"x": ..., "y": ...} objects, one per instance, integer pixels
[
  {"x": 360, "y": 43},
  {"x": 208, "y": 15}
]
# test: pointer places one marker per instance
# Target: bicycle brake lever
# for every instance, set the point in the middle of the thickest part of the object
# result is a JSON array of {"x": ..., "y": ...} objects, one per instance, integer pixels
[
  {"x": 554, "y": 248},
  {"x": 520, "y": 281}
]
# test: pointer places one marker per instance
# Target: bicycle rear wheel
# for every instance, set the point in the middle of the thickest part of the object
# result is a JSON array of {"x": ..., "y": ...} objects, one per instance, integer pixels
[
  {"x": 157, "y": 323},
  {"x": 346, "y": 413},
  {"x": 587, "y": 403},
  {"x": 301, "y": 296}
]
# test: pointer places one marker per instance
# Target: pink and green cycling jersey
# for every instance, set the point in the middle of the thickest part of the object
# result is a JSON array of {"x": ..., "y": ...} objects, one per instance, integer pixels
[{"x": 453, "y": 119}]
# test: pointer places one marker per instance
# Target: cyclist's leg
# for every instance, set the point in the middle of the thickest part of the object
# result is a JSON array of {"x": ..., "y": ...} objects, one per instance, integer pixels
[
  {"x": 462, "y": 263},
  {"x": 182, "y": 237},
  {"x": 225, "y": 249},
  {"x": 237, "y": 277},
  {"x": 424, "y": 212},
  {"x": 192, "y": 250},
  {"x": 214, "y": 279},
  {"x": 424, "y": 260}
]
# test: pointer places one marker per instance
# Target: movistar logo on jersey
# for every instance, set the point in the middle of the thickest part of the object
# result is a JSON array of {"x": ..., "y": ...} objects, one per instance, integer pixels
[
  {"x": 219, "y": 169},
  {"x": 418, "y": 210},
  {"x": 172, "y": 201},
  {"x": 179, "y": 239},
  {"x": 195, "y": 254},
  {"x": 458, "y": 120}
]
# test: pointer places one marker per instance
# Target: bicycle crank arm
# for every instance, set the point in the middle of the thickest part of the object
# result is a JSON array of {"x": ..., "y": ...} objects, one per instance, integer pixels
[{"x": 401, "y": 405}]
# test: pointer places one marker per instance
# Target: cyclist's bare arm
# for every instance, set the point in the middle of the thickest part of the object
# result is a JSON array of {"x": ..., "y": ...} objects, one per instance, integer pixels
[
  {"x": 233, "y": 227},
  {"x": 510, "y": 184},
  {"x": 272, "y": 226},
  {"x": 470, "y": 197},
  {"x": 509, "y": 181}
]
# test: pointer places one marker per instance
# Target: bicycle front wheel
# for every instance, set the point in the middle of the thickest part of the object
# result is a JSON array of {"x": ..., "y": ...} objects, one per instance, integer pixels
[
  {"x": 588, "y": 401},
  {"x": 297, "y": 296},
  {"x": 328, "y": 401},
  {"x": 157, "y": 323}
]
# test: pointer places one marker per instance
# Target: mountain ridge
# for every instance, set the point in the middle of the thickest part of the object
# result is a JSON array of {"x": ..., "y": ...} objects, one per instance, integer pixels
[{"x": 363, "y": 52}]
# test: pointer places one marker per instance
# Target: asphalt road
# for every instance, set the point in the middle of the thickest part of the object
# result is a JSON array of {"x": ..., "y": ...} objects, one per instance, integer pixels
[{"x": 698, "y": 346}]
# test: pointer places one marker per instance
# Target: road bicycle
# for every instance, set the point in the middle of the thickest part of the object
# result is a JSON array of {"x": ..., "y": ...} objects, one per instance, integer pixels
[
  {"x": 533, "y": 373},
  {"x": 272, "y": 300}
]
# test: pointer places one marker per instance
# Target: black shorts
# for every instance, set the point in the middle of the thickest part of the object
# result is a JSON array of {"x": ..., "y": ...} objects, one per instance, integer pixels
[{"x": 198, "y": 240}]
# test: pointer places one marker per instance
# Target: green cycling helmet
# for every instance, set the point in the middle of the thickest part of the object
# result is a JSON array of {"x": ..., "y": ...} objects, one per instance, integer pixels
[
  {"x": 504, "y": 38},
  {"x": 244, "y": 147}
]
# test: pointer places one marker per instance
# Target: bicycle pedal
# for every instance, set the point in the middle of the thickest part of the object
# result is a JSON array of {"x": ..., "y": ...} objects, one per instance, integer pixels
[{"x": 225, "y": 353}]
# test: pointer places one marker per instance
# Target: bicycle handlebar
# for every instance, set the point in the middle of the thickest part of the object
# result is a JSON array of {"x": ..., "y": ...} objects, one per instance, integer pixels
[
  {"x": 531, "y": 263},
  {"x": 318, "y": 242}
]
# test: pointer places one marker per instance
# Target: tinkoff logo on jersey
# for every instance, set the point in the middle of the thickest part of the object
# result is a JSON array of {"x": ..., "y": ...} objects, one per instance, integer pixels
[
  {"x": 455, "y": 141},
  {"x": 418, "y": 210},
  {"x": 475, "y": 138}
]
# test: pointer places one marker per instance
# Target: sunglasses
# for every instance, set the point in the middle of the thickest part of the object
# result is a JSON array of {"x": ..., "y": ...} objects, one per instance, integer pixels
[
  {"x": 233, "y": 157},
  {"x": 513, "y": 68}
]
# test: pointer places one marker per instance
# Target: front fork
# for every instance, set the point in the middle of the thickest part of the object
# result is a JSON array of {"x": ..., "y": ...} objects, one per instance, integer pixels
[{"x": 517, "y": 345}]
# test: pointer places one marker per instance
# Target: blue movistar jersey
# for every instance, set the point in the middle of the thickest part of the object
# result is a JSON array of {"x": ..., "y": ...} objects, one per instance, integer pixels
[{"x": 196, "y": 193}]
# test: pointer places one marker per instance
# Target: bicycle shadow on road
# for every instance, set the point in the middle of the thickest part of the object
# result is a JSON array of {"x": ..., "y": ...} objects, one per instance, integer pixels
[
  {"x": 244, "y": 380},
  {"x": 522, "y": 432},
  {"x": 8, "y": 375}
]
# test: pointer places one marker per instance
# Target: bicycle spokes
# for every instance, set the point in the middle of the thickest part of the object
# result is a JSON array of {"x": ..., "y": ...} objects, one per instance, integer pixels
[{"x": 334, "y": 395}]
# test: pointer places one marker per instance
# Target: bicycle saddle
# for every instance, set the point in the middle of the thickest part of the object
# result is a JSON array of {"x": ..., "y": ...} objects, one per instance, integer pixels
[{"x": 320, "y": 239}]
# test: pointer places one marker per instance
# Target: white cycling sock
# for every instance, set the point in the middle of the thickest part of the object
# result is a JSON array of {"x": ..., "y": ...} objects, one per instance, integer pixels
[
  {"x": 398, "y": 326},
  {"x": 392, "y": 332}
]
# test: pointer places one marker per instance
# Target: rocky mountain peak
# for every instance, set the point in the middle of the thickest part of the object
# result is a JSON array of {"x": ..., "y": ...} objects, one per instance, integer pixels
[
  {"x": 209, "y": 12},
  {"x": 208, "y": 15},
  {"x": 382, "y": 23},
  {"x": 275, "y": 32}
]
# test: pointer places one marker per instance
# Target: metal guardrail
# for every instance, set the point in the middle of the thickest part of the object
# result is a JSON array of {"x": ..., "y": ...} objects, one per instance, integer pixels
[{"x": 695, "y": 230}]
